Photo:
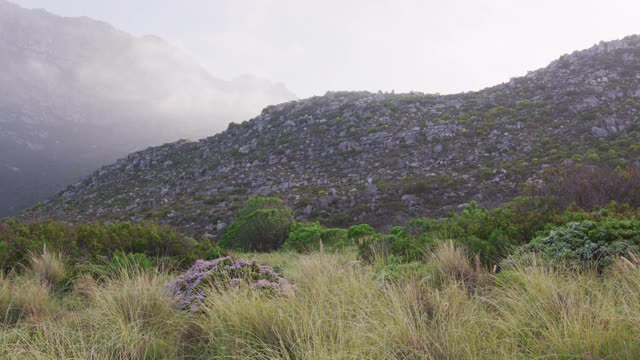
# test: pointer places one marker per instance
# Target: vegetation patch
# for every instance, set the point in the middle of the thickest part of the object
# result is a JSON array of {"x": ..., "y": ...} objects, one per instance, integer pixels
[
  {"x": 588, "y": 244},
  {"x": 218, "y": 275}
]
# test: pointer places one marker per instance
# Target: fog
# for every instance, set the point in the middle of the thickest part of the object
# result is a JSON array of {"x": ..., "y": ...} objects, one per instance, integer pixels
[
  {"x": 401, "y": 45},
  {"x": 76, "y": 94}
]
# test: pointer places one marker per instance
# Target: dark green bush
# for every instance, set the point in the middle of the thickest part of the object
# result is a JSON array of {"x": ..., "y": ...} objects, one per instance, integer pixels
[
  {"x": 120, "y": 262},
  {"x": 371, "y": 245},
  {"x": 304, "y": 237},
  {"x": 361, "y": 233},
  {"x": 214, "y": 252},
  {"x": 588, "y": 244},
  {"x": 130, "y": 262},
  {"x": 308, "y": 237},
  {"x": 95, "y": 242},
  {"x": 408, "y": 248},
  {"x": 335, "y": 238},
  {"x": 375, "y": 248},
  {"x": 489, "y": 233},
  {"x": 261, "y": 225}
]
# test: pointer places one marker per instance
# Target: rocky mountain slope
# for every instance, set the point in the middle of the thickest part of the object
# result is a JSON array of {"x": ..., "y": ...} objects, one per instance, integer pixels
[
  {"x": 346, "y": 158},
  {"x": 76, "y": 94}
]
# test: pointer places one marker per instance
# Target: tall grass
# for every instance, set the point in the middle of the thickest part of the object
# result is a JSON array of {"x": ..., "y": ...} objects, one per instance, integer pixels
[
  {"x": 135, "y": 316},
  {"x": 342, "y": 309},
  {"x": 48, "y": 267},
  {"x": 23, "y": 300}
]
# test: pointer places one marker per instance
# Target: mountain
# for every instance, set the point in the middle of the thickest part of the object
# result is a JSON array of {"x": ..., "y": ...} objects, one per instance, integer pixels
[
  {"x": 76, "y": 94},
  {"x": 351, "y": 157}
]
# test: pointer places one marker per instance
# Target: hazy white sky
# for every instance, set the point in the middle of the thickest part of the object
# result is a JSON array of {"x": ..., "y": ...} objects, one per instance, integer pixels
[{"x": 440, "y": 46}]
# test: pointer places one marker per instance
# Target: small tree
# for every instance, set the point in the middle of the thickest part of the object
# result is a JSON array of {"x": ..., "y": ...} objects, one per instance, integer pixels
[{"x": 262, "y": 224}]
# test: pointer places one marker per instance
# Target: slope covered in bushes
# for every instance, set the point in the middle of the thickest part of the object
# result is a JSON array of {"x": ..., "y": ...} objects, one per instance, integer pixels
[
  {"x": 357, "y": 157},
  {"x": 550, "y": 274}
]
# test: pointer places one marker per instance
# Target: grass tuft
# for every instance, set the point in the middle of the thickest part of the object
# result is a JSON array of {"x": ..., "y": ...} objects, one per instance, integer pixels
[{"x": 48, "y": 267}]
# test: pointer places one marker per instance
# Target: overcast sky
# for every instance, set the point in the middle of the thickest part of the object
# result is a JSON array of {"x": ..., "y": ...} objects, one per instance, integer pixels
[{"x": 443, "y": 46}]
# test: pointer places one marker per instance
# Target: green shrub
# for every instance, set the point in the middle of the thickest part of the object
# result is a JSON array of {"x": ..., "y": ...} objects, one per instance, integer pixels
[
  {"x": 361, "y": 233},
  {"x": 588, "y": 244},
  {"x": 408, "y": 248},
  {"x": 95, "y": 242},
  {"x": 371, "y": 245},
  {"x": 304, "y": 237},
  {"x": 335, "y": 238},
  {"x": 130, "y": 262},
  {"x": 261, "y": 225},
  {"x": 309, "y": 237},
  {"x": 488, "y": 233},
  {"x": 118, "y": 264},
  {"x": 214, "y": 252}
]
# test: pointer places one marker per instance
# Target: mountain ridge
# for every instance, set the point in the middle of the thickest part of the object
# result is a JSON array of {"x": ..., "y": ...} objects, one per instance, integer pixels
[
  {"x": 76, "y": 93},
  {"x": 349, "y": 157}
]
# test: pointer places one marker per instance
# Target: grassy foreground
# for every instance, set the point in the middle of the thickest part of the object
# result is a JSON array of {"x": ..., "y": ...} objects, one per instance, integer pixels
[{"x": 447, "y": 308}]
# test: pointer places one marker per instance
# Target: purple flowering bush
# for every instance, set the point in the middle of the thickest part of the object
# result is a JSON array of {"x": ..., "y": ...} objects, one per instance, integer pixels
[{"x": 220, "y": 274}]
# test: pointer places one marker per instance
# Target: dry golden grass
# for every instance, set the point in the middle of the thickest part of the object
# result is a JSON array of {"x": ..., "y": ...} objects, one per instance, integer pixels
[
  {"x": 341, "y": 310},
  {"x": 48, "y": 267}
]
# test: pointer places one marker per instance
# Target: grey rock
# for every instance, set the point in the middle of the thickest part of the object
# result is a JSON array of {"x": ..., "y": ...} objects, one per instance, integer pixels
[
  {"x": 220, "y": 226},
  {"x": 599, "y": 132}
]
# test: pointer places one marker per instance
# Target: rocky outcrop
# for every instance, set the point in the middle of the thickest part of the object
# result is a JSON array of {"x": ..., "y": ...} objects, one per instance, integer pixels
[{"x": 350, "y": 157}]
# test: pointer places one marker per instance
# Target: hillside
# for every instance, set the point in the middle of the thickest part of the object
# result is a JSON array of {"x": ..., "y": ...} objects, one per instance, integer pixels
[
  {"x": 346, "y": 158},
  {"x": 76, "y": 94}
]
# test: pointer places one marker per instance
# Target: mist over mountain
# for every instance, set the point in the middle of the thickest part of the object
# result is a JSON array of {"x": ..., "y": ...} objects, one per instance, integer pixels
[
  {"x": 76, "y": 93},
  {"x": 360, "y": 157}
]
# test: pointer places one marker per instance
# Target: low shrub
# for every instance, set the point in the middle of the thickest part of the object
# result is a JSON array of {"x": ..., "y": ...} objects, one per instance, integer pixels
[
  {"x": 308, "y": 237},
  {"x": 407, "y": 248},
  {"x": 588, "y": 244},
  {"x": 130, "y": 262},
  {"x": 261, "y": 225},
  {"x": 371, "y": 245},
  {"x": 213, "y": 252},
  {"x": 305, "y": 238},
  {"x": 119, "y": 263},
  {"x": 361, "y": 233},
  {"x": 335, "y": 238},
  {"x": 95, "y": 242},
  {"x": 489, "y": 233},
  {"x": 220, "y": 274}
]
